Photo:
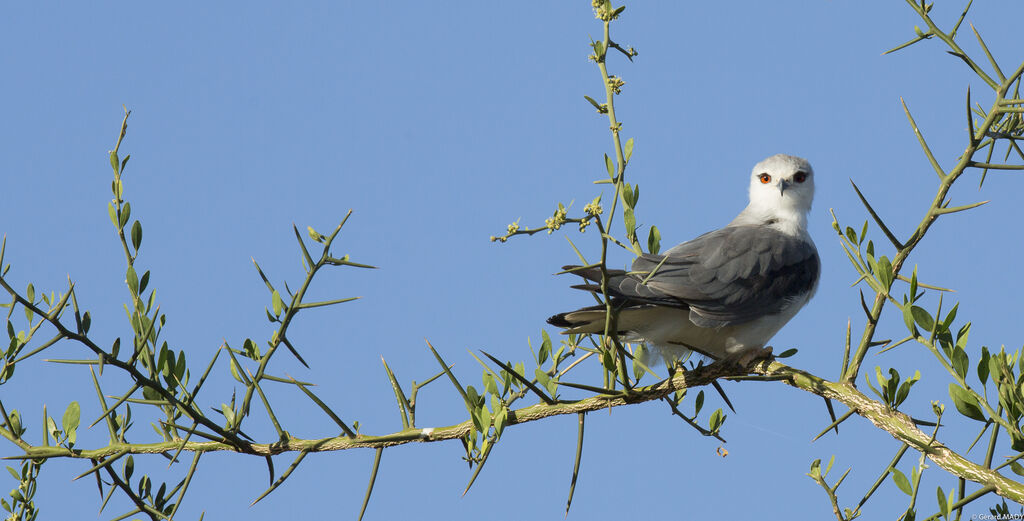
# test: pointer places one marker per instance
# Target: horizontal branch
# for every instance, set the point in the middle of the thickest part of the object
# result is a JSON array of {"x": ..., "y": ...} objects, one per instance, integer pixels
[
  {"x": 701, "y": 376},
  {"x": 898, "y": 425}
]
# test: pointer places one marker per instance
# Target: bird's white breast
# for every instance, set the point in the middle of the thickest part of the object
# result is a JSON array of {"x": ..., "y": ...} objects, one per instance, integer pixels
[{"x": 670, "y": 330}]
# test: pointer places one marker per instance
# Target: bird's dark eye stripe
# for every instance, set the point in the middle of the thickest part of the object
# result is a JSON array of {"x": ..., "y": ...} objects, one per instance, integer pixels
[{"x": 800, "y": 177}]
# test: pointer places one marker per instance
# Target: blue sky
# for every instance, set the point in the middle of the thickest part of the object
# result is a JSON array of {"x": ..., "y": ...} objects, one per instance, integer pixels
[{"x": 438, "y": 124}]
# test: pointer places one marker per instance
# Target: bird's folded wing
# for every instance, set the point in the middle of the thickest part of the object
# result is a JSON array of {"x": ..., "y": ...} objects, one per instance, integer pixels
[{"x": 727, "y": 276}]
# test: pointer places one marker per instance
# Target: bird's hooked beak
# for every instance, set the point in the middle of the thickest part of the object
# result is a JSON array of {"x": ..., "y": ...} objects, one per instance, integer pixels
[{"x": 783, "y": 185}]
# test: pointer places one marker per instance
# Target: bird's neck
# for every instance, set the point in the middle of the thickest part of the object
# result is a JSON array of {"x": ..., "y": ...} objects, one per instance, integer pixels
[{"x": 786, "y": 219}]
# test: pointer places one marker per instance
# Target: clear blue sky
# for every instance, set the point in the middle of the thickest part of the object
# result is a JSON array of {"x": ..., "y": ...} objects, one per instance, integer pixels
[{"x": 438, "y": 124}]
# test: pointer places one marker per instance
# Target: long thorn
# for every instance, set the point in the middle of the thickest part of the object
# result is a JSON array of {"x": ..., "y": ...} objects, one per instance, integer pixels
[
  {"x": 455, "y": 382},
  {"x": 348, "y": 432},
  {"x": 878, "y": 220},
  {"x": 579, "y": 457},
  {"x": 924, "y": 144},
  {"x": 373, "y": 479},
  {"x": 521, "y": 378},
  {"x": 302, "y": 244},
  {"x": 988, "y": 54},
  {"x": 284, "y": 476},
  {"x": 834, "y": 425},
  {"x": 102, "y": 464},
  {"x": 721, "y": 392},
  {"x": 403, "y": 402},
  {"x": 970, "y": 120},
  {"x": 954, "y": 209}
]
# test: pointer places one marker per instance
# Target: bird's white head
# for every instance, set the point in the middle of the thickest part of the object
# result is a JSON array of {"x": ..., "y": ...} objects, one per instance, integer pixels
[
  {"x": 783, "y": 182},
  {"x": 781, "y": 191}
]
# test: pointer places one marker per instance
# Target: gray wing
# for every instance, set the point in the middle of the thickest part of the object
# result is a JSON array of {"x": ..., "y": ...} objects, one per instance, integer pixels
[{"x": 731, "y": 275}]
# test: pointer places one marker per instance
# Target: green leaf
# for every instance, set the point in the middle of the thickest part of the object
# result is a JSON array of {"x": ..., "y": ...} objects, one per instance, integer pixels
[
  {"x": 473, "y": 397},
  {"x": 960, "y": 361},
  {"x": 235, "y": 371},
  {"x": 72, "y": 416},
  {"x": 890, "y": 385},
  {"x": 901, "y": 481},
  {"x": 628, "y": 149},
  {"x": 31, "y": 296},
  {"x": 143, "y": 282},
  {"x": 136, "y": 235},
  {"x": 1017, "y": 468},
  {"x": 698, "y": 403},
  {"x": 162, "y": 363},
  {"x": 542, "y": 377},
  {"x": 883, "y": 382},
  {"x": 145, "y": 486},
  {"x": 229, "y": 414},
  {"x": 627, "y": 194},
  {"x": 654, "y": 240},
  {"x": 545, "y": 347},
  {"x": 867, "y": 379},
  {"x": 716, "y": 420},
  {"x": 884, "y": 273},
  {"x": 277, "y": 303},
  {"x": 251, "y": 349},
  {"x": 126, "y": 213},
  {"x": 596, "y": 105},
  {"x": 965, "y": 403},
  {"x": 961, "y": 336},
  {"x": 15, "y": 425},
  {"x": 950, "y": 317},
  {"x": 51, "y": 427},
  {"x": 133, "y": 280},
  {"x": 901, "y": 394},
  {"x": 922, "y": 317},
  {"x": 485, "y": 420},
  {"x": 500, "y": 420},
  {"x": 913, "y": 286},
  {"x": 630, "y": 221},
  {"x": 908, "y": 318},
  {"x": 983, "y": 365},
  {"x": 489, "y": 385},
  {"x": 851, "y": 235},
  {"x": 314, "y": 235},
  {"x": 114, "y": 162},
  {"x": 638, "y": 368},
  {"x": 179, "y": 367},
  {"x": 608, "y": 361},
  {"x": 943, "y": 505},
  {"x": 815, "y": 469},
  {"x": 787, "y": 353},
  {"x": 610, "y": 166}
]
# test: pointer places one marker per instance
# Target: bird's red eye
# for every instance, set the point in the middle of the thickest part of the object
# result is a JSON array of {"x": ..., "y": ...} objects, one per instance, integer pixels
[
  {"x": 765, "y": 178},
  {"x": 800, "y": 177}
]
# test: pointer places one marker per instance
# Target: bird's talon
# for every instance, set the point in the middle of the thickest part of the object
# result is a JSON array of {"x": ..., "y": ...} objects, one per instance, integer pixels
[{"x": 746, "y": 357}]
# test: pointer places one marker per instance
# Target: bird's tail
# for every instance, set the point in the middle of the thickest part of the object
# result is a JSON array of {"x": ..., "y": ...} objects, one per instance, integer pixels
[{"x": 585, "y": 320}]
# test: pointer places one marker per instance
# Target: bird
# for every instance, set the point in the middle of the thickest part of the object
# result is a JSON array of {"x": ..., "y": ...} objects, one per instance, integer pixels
[{"x": 724, "y": 293}]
